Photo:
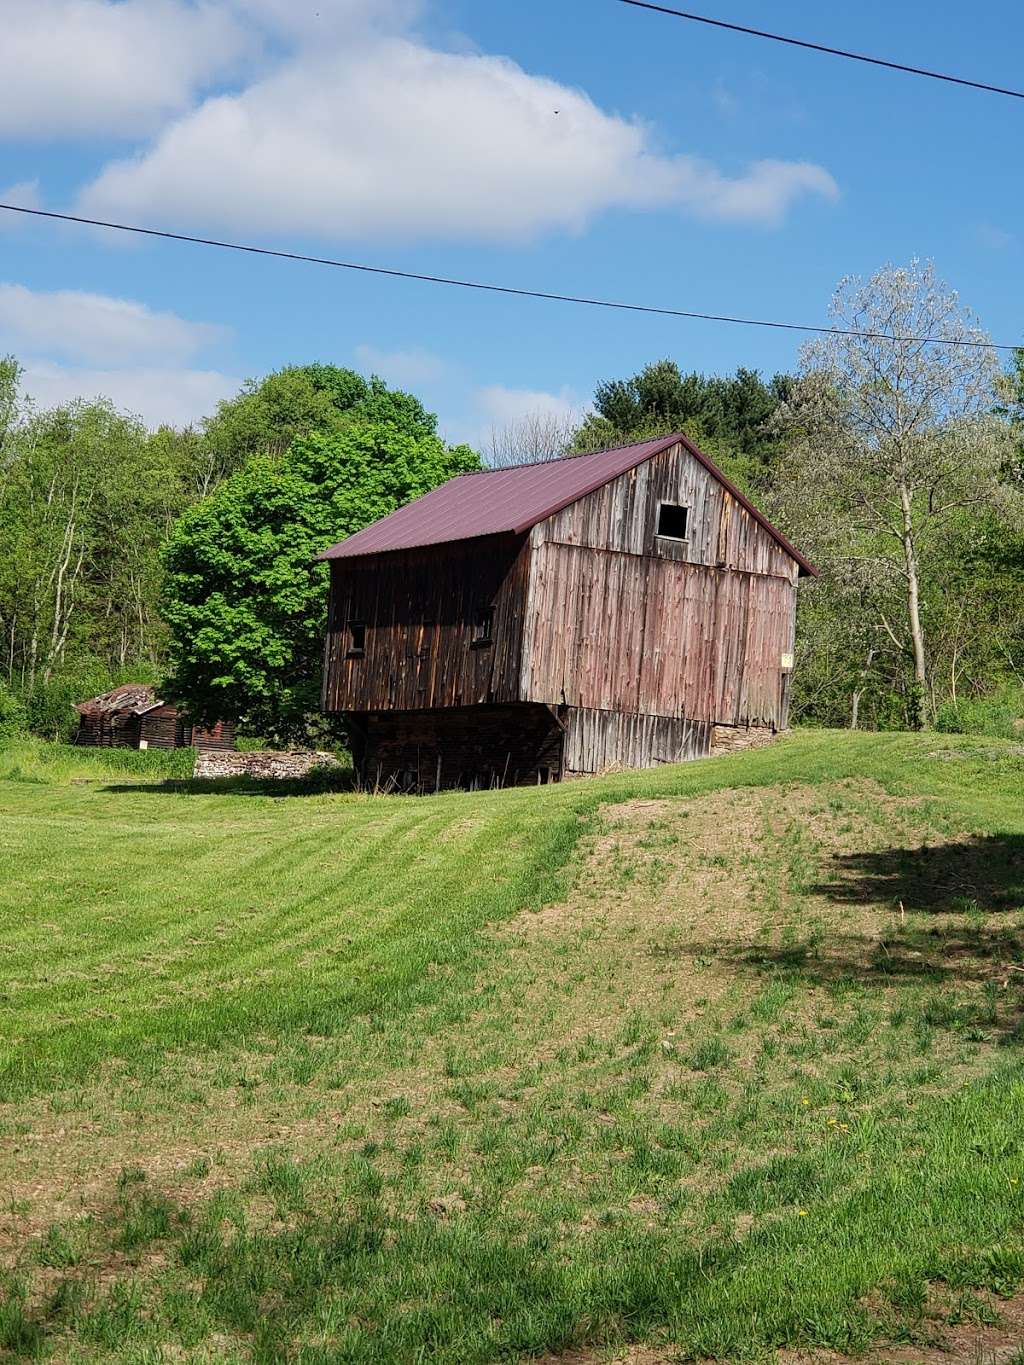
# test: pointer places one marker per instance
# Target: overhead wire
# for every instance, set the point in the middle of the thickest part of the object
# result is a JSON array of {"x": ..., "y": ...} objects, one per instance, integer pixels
[
  {"x": 822, "y": 47},
  {"x": 514, "y": 291}
]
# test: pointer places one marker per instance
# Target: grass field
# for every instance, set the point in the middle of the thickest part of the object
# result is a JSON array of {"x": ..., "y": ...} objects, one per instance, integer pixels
[{"x": 716, "y": 1059}]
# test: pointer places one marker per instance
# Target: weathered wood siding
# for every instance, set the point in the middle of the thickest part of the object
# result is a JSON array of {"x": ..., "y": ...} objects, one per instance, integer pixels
[
  {"x": 611, "y": 646},
  {"x": 623, "y": 515},
  {"x": 165, "y": 728},
  {"x": 125, "y": 732},
  {"x": 646, "y": 636},
  {"x": 418, "y": 608},
  {"x": 159, "y": 728},
  {"x": 94, "y": 727},
  {"x": 220, "y": 735},
  {"x": 598, "y": 740},
  {"x": 162, "y": 728},
  {"x": 468, "y": 747}
]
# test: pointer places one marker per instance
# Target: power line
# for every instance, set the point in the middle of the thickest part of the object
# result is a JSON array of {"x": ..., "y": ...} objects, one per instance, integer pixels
[
  {"x": 498, "y": 288},
  {"x": 821, "y": 47}
]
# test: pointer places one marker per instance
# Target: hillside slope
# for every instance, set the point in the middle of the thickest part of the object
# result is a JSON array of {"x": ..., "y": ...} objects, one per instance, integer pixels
[{"x": 722, "y": 1058}]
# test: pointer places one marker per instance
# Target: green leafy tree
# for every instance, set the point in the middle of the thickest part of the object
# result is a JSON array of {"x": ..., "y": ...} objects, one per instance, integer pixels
[
  {"x": 244, "y": 601},
  {"x": 728, "y": 416},
  {"x": 1012, "y": 407},
  {"x": 76, "y": 495},
  {"x": 268, "y": 414}
]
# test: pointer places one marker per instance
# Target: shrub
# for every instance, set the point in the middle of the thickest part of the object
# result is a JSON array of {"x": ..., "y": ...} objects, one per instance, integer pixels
[
  {"x": 13, "y": 714},
  {"x": 1000, "y": 715}
]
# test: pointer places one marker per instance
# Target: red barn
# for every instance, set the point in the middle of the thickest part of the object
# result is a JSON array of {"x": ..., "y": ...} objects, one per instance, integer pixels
[{"x": 624, "y": 608}]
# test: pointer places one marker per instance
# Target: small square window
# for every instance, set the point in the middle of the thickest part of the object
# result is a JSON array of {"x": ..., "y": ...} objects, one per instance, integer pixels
[
  {"x": 483, "y": 626},
  {"x": 356, "y": 638},
  {"x": 672, "y": 521}
]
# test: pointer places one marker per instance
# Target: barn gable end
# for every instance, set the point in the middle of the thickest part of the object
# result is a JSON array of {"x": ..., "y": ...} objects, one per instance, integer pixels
[{"x": 624, "y": 620}]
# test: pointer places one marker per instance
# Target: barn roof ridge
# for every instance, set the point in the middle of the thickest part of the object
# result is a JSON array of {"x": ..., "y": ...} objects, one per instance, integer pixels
[
  {"x": 574, "y": 455},
  {"x": 527, "y": 494}
]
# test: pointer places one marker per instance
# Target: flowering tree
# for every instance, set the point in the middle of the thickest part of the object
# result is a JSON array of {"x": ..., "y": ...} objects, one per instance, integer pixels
[{"x": 892, "y": 438}]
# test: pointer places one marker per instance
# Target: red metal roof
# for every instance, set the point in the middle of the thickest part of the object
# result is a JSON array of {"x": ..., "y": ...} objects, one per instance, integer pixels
[{"x": 498, "y": 501}]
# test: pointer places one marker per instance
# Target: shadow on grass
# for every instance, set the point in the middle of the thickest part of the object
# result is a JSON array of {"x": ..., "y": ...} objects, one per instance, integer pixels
[
  {"x": 316, "y": 783},
  {"x": 947, "y": 909},
  {"x": 954, "y": 894},
  {"x": 979, "y": 874}
]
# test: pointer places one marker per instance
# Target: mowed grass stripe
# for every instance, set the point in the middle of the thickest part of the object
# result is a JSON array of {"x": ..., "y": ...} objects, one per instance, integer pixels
[
  {"x": 175, "y": 890},
  {"x": 656, "y": 1113},
  {"x": 401, "y": 919}
]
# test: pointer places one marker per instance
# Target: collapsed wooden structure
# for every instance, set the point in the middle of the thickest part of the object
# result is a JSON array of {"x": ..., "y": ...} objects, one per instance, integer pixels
[
  {"x": 132, "y": 716},
  {"x": 624, "y": 608}
]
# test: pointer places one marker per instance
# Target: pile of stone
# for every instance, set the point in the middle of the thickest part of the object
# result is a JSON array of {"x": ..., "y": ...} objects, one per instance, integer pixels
[{"x": 263, "y": 764}]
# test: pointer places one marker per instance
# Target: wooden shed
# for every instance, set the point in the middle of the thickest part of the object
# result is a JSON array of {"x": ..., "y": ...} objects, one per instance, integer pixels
[
  {"x": 624, "y": 608},
  {"x": 132, "y": 716}
]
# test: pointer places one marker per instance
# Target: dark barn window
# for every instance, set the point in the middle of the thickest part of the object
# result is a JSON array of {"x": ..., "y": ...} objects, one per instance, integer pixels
[
  {"x": 483, "y": 625},
  {"x": 356, "y": 639},
  {"x": 672, "y": 521}
]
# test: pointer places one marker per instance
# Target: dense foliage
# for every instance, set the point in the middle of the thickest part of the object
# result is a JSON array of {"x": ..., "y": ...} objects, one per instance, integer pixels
[
  {"x": 728, "y": 416},
  {"x": 897, "y": 469},
  {"x": 86, "y": 498},
  {"x": 127, "y": 551}
]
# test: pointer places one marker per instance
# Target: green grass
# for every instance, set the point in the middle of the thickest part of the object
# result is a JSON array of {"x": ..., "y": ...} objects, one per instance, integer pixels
[{"x": 293, "y": 1078}]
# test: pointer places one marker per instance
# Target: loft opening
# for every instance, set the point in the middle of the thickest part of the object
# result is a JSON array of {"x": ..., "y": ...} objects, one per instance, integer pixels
[
  {"x": 482, "y": 625},
  {"x": 673, "y": 521},
  {"x": 356, "y": 639}
]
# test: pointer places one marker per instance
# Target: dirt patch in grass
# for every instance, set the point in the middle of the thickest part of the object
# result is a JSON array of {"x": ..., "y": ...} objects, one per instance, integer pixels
[
  {"x": 966, "y": 1343},
  {"x": 689, "y": 902}
]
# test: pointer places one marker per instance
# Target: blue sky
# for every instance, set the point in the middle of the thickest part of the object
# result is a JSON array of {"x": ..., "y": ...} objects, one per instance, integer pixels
[{"x": 685, "y": 167}]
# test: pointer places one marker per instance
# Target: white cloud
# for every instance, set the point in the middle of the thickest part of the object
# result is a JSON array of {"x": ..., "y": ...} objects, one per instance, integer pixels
[
  {"x": 79, "y": 68},
  {"x": 504, "y": 406},
  {"x": 158, "y": 395},
  {"x": 383, "y": 137},
  {"x": 764, "y": 195},
  {"x": 407, "y": 369},
  {"x": 332, "y": 19},
  {"x": 96, "y": 328},
  {"x": 495, "y": 414},
  {"x": 26, "y": 194},
  {"x": 79, "y": 345}
]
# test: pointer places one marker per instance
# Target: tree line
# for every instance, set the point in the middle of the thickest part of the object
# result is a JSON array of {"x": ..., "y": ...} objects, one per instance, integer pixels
[{"x": 185, "y": 557}]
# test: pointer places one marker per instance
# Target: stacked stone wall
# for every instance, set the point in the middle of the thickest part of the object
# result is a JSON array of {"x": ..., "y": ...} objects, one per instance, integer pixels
[{"x": 264, "y": 764}]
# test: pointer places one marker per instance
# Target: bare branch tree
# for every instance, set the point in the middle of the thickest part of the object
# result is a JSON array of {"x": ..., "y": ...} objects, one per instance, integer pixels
[
  {"x": 889, "y": 439},
  {"x": 540, "y": 435}
]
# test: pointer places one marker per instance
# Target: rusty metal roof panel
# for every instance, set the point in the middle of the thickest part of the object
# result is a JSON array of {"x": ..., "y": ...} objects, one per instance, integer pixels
[
  {"x": 501, "y": 501},
  {"x": 134, "y": 697}
]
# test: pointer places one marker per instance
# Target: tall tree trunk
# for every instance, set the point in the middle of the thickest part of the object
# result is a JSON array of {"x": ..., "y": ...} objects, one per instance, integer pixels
[{"x": 914, "y": 608}]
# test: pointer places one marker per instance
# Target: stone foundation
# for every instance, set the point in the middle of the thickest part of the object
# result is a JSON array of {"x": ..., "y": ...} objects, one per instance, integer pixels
[
  {"x": 263, "y": 764},
  {"x": 732, "y": 739}
]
